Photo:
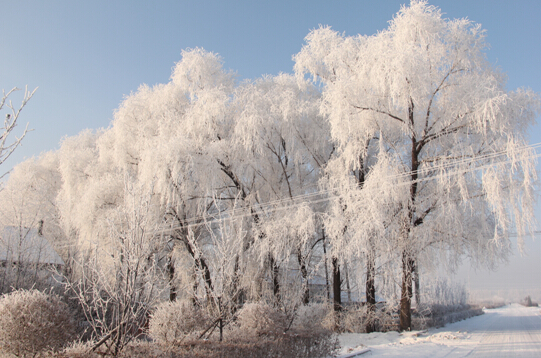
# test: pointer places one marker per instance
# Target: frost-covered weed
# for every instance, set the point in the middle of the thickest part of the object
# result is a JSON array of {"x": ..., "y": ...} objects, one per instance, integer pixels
[
  {"x": 33, "y": 321},
  {"x": 288, "y": 345},
  {"x": 171, "y": 322},
  {"x": 80, "y": 349}
]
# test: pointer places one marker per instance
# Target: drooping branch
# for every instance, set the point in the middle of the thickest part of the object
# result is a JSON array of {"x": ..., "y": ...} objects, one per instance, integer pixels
[
  {"x": 10, "y": 122},
  {"x": 379, "y": 111}
]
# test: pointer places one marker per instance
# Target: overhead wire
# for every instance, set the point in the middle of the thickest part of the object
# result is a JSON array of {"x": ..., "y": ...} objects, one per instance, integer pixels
[
  {"x": 446, "y": 165},
  {"x": 326, "y": 194}
]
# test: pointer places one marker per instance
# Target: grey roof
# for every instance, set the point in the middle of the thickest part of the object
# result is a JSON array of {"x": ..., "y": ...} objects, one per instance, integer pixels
[{"x": 24, "y": 244}]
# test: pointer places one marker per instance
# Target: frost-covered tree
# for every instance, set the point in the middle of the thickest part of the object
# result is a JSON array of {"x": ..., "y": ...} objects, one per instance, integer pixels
[
  {"x": 216, "y": 152},
  {"x": 453, "y": 137},
  {"x": 30, "y": 195},
  {"x": 91, "y": 189},
  {"x": 176, "y": 136},
  {"x": 29, "y": 207},
  {"x": 279, "y": 131}
]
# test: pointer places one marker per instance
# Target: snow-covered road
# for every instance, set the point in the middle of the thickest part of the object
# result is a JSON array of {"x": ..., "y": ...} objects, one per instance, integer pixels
[{"x": 510, "y": 331}]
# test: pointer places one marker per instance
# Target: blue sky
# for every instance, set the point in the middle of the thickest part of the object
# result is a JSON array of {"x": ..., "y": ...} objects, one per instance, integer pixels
[{"x": 85, "y": 56}]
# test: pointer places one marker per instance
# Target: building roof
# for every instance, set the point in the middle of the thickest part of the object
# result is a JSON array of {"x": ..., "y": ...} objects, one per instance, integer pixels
[{"x": 19, "y": 244}]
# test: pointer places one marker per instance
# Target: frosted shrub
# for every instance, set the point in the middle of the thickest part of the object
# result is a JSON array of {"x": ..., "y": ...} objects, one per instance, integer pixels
[
  {"x": 355, "y": 319},
  {"x": 33, "y": 321},
  {"x": 261, "y": 319},
  {"x": 311, "y": 316},
  {"x": 358, "y": 318},
  {"x": 120, "y": 282},
  {"x": 173, "y": 321}
]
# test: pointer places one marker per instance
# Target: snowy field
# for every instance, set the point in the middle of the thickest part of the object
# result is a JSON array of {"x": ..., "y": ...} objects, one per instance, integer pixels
[{"x": 510, "y": 331}]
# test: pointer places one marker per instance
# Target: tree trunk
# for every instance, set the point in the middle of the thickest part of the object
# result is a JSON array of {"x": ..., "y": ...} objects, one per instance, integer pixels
[
  {"x": 195, "y": 286},
  {"x": 326, "y": 269},
  {"x": 408, "y": 262},
  {"x": 182, "y": 235},
  {"x": 237, "y": 293},
  {"x": 407, "y": 292},
  {"x": 336, "y": 283},
  {"x": 171, "y": 277},
  {"x": 370, "y": 292},
  {"x": 417, "y": 288},
  {"x": 201, "y": 265},
  {"x": 348, "y": 287},
  {"x": 304, "y": 274},
  {"x": 275, "y": 282}
]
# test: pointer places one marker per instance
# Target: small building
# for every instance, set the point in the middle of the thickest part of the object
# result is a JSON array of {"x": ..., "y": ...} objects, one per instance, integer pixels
[{"x": 20, "y": 245}]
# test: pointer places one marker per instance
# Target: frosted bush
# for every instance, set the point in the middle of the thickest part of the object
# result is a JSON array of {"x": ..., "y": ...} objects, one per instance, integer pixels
[
  {"x": 311, "y": 316},
  {"x": 173, "y": 321},
  {"x": 261, "y": 319},
  {"x": 355, "y": 319},
  {"x": 332, "y": 321},
  {"x": 33, "y": 321}
]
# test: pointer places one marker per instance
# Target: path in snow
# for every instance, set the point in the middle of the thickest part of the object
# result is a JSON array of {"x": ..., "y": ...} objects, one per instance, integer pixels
[{"x": 510, "y": 331}]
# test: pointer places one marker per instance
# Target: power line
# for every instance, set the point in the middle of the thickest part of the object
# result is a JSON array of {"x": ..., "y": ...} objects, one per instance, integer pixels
[
  {"x": 273, "y": 206},
  {"x": 451, "y": 164}
]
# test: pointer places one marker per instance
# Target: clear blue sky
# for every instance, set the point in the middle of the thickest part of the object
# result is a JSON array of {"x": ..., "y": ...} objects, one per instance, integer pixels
[{"x": 85, "y": 56}]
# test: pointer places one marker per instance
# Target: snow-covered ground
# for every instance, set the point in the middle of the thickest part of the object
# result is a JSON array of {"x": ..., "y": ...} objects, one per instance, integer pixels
[{"x": 510, "y": 331}]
